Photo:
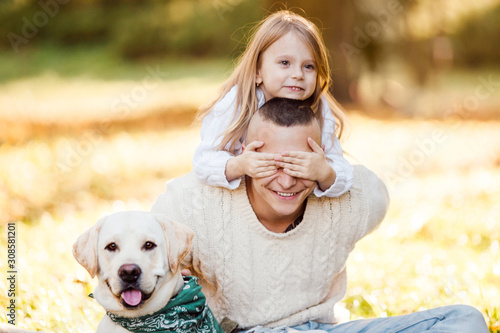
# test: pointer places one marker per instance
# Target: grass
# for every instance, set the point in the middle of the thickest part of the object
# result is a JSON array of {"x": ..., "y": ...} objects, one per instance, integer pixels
[{"x": 61, "y": 170}]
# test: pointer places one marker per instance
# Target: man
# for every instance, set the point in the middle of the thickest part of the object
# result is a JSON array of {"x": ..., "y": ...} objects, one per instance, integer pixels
[{"x": 268, "y": 255}]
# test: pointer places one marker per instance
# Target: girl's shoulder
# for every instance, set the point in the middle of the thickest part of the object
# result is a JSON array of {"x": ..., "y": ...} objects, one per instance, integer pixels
[
  {"x": 226, "y": 103},
  {"x": 326, "y": 110}
]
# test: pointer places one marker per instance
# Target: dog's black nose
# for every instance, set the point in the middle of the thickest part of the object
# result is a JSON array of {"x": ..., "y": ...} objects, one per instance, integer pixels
[{"x": 129, "y": 272}]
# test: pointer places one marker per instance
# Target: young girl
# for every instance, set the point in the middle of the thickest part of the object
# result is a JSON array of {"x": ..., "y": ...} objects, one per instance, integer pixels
[{"x": 286, "y": 57}]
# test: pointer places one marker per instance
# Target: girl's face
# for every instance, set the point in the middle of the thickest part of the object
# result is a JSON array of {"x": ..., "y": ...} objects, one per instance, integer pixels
[{"x": 287, "y": 69}]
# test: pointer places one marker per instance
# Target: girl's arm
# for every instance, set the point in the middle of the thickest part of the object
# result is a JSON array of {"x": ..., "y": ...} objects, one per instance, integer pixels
[
  {"x": 209, "y": 164},
  {"x": 222, "y": 168},
  {"x": 334, "y": 155}
]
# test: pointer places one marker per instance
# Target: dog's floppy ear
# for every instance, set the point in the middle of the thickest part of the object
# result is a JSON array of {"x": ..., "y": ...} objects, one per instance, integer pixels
[
  {"x": 179, "y": 240},
  {"x": 85, "y": 248}
]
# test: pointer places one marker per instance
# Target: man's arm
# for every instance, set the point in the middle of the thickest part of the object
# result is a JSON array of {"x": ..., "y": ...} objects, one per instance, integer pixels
[
  {"x": 373, "y": 196},
  {"x": 176, "y": 202}
]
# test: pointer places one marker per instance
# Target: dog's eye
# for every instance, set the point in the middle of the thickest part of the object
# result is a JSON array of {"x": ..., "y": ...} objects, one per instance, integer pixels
[
  {"x": 111, "y": 247},
  {"x": 149, "y": 246}
]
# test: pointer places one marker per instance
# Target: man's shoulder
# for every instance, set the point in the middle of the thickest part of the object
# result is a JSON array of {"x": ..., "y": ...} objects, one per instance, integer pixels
[
  {"x": 364, "y": 205},
  {"x": 187, "y": 180},
  {"x": 368, "y": 187},
  {"x": 186, "y": 197},
  {"x": 365, "y": 183},
  {"x": 365, "y": 177},
  {"x": 361, "y": 170},
  {"x": 190, "y": 184},
  {"x": 187, "y": 183},
  {"x": 180, "y": 193}
]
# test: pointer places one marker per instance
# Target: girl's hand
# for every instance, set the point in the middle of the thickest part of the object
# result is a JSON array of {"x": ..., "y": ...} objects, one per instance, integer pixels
[
  {"x": 252, "y": 163},
  {"x": 311, "y": 166}
]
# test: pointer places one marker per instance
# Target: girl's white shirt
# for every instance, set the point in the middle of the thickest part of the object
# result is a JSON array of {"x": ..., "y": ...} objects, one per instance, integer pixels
[{"x": 209, "y": 164}]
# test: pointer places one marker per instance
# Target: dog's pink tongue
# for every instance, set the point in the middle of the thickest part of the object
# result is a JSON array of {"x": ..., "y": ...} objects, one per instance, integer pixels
[{"x": 132, "y": 297}]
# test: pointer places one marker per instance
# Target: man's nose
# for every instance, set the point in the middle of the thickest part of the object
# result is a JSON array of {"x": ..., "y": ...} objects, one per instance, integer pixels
[{"x": 286, "y": 181}]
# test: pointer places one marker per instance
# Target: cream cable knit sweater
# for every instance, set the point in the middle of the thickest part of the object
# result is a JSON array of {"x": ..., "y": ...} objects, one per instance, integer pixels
[{"x": 257, "y": 277}]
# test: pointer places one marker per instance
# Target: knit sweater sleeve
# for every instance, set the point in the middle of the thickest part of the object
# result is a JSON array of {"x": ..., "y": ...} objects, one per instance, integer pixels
[
  {"x": 173, "y": 204},
  {"x": 373, "y": 198}
]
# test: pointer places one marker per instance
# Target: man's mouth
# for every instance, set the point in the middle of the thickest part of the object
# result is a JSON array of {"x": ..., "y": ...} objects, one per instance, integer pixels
[{"x": 286, "y": 194}]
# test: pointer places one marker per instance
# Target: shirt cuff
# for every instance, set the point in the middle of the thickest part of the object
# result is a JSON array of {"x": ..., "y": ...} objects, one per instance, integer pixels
[
  {"x": 339, "y": 187},
  {"x": 219, "y": 178}
]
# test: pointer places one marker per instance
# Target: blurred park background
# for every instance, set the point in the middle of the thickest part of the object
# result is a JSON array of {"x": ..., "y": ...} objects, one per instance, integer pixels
[{"x": 98, "y": 97}]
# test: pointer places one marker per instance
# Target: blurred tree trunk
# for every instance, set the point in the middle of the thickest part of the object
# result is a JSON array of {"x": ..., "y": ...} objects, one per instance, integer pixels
[{"x": 335, "y": 19}]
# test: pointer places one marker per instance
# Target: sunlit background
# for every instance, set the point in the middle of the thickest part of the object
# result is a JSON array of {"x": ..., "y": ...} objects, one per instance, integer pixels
[{"x": 97, "y": 99}]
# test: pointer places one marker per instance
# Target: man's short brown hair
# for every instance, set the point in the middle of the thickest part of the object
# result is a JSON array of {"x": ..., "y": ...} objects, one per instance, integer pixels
[{"x": 287, "y": 112}]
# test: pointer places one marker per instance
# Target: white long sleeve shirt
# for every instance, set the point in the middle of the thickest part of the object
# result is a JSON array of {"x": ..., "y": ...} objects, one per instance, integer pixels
[{"x": 209, "y": 164}]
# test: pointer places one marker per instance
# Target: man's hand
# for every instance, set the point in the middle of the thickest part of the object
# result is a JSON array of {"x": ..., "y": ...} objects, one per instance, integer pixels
[
  {"x": 311, "y": 166},
  {"x": 251, "y": 163}
]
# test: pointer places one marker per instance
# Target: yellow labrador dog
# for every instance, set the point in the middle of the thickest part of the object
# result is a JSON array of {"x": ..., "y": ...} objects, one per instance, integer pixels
[{"x": 136, "y": 258}]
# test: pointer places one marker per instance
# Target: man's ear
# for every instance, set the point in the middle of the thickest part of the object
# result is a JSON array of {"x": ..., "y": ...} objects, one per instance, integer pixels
[{"x": 85, "y": 248}]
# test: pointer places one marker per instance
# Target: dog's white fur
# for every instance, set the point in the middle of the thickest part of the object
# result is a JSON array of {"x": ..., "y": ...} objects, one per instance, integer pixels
[
  {"x": 160, "y": 272},
  {"x": 130, "y": 232}
]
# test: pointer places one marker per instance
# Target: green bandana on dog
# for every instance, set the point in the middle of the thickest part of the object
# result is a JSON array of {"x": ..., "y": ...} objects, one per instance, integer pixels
[{"x": 186, "y": 312}]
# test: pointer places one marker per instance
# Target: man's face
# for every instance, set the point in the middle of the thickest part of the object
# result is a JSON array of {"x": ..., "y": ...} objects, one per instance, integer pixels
[{"x": 280, "y": 197}]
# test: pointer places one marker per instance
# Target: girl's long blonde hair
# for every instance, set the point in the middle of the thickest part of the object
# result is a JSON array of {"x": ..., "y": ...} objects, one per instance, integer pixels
[{"x": 263, "y": 35}]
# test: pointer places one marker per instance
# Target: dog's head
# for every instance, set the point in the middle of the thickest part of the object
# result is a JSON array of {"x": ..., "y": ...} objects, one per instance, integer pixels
[{"x": 136, "y": 257}]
